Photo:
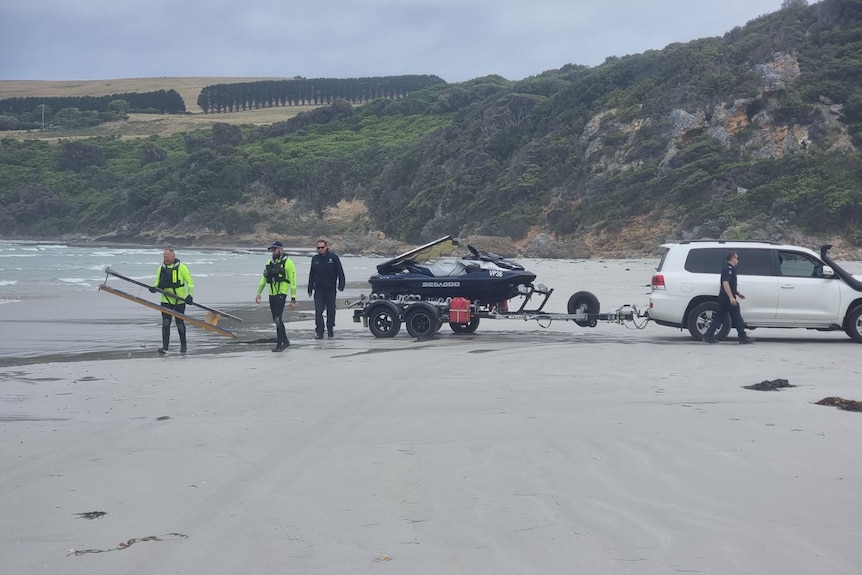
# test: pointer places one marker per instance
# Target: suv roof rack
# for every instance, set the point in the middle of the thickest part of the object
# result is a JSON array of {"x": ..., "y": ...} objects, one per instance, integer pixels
[{"x": 731, "y": 242}]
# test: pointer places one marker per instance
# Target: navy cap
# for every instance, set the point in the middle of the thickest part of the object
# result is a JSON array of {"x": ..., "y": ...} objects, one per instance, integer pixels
[{"x": 276, "y": 245}]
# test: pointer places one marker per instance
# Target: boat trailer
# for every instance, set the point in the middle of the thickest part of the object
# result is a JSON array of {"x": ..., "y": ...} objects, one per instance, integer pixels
[{"x": 423, "y": 317}]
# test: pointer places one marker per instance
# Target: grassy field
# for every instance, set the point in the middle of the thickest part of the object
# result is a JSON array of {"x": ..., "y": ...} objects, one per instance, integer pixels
[{"x": 142, "y": 125}]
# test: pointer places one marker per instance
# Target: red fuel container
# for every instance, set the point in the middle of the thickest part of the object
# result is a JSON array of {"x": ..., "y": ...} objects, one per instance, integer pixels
[{"x": 459, "y": 310}]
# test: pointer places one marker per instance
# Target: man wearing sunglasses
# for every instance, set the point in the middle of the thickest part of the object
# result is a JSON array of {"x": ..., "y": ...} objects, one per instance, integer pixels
[{"x": 326, "y": 275}]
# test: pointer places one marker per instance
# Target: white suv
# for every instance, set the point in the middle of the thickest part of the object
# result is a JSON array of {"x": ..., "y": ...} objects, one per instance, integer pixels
[{"x": 784, "y": 286}]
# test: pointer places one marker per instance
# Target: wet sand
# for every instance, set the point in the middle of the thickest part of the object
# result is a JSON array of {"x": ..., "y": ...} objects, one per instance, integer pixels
[{"x": 516, "y": 450}]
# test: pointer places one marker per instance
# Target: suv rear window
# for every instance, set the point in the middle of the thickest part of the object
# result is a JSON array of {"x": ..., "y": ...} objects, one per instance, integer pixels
[
  {"x": 706, "y": 260},
  {"x": 752, "y": 262}
]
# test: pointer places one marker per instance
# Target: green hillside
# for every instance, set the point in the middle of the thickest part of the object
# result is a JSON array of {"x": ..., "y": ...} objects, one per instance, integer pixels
[{"x": 754, "y": 134}]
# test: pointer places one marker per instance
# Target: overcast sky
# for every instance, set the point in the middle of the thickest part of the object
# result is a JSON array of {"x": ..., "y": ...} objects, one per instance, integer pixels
[{"x": 455, "y": 39}]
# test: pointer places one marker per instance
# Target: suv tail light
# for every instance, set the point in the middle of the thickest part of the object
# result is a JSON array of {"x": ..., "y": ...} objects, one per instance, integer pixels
[{"x": 658, "y": 282}]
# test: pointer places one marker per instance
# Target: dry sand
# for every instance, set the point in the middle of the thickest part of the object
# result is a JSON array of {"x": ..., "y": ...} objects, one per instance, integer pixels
[{"x": 516, "y": 450}]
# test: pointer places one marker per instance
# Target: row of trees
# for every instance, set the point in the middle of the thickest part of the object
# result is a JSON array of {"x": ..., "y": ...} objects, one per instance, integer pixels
[
  {"x": 43, "y": 116},
  {"x": 220, "y": 98},
  {"x": 156, "y": 102},
  {"x": 32, "y": 113}
]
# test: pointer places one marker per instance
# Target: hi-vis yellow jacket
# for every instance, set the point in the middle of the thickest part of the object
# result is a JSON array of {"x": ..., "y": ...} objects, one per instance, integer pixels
[
  {"x": 175, "y": 279},
  {"x": 280, "y": 275}
]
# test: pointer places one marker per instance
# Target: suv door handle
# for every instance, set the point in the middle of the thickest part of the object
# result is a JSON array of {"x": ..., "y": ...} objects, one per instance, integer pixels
[{"x": 788, "y": 286}]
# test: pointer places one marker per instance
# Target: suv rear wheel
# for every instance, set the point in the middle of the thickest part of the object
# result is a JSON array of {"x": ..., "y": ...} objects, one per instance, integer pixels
[
  {"x": 700, "y": 318},
  {"x": 853, "y": 324}
]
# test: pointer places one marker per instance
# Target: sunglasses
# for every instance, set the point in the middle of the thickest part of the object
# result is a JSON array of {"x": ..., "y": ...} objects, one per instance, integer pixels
[{"x": 321, "y": 247}]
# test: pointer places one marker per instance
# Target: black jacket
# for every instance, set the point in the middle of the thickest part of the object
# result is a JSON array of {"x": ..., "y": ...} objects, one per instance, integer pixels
[
  {"x": 326, "y": 273},
  {"x": 727, "y": 275}
]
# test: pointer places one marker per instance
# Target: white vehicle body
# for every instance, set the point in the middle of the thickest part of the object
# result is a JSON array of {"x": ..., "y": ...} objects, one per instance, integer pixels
[{"x": 785, "y": 286}]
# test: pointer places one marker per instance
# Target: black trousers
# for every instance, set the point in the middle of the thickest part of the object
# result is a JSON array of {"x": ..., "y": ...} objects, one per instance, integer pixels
[
  {"x": 725, "y": 309},
  {"x": 324, "y": 300},
  {"x": 166, "y": 324},
  {"x": 276, "y": 306}
]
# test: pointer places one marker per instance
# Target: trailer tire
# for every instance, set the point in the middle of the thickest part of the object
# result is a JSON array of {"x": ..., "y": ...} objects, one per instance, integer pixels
[
  {"x": 466, "y": 327},
  {"x": 422, "y": 320},
  {"x": 384, "y": 319},
  {"x": 701, "y": 316},
  {"x": 586, "y": 302}
]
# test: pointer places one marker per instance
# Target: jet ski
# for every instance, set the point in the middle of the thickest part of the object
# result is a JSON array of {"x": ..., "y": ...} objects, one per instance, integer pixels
[{"x": 430, "y": 272}]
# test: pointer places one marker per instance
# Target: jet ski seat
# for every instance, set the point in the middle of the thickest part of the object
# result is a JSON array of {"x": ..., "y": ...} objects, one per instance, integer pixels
[
  {"x": 448, "y": 268},
  {"x": 413, "y": 268}
]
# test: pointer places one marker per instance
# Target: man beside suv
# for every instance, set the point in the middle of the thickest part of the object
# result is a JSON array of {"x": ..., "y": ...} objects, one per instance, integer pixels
[
  {"x": 727, "y": 303},
  {"x": 786, "y": 287}
]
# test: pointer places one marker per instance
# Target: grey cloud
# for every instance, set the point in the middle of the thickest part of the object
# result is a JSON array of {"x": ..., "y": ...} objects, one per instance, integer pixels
[{"x": 457, "y": 40}]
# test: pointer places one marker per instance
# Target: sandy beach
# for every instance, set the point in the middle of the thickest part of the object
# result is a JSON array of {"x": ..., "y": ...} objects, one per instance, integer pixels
[{"x": 515, "y": 450}]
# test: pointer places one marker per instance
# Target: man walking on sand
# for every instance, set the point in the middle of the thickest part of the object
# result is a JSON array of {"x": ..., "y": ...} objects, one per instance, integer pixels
[
  {"x": 728, "y": 303},
  {"x": 280, "y": 275},
  {"x": 325, "y": 277}
]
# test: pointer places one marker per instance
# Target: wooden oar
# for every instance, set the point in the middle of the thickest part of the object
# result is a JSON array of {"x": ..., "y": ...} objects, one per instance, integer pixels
[{"x": 194, "y": 321}]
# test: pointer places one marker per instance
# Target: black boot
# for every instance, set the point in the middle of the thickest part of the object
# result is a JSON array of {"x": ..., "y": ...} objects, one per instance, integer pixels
[{"x": 166, "y": 338}]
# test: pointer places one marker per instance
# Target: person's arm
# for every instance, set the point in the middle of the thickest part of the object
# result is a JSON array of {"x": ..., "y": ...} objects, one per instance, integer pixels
[
  {"x": 725, "y": 285},
  {"x": 260, "y": 286},
  {"x": 341, "y": 280},
  {"x": 290, "y": 270},
  {"x": 187, "y": 279},
  {"x": 311, "y": 274},
  {"x": 156, "y": 283}
]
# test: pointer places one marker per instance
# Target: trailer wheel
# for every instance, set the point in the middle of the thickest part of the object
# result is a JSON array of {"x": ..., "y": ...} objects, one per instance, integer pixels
[
  {"x": 466, "y": 327},
  {"x": 700, "y": 318},
  {"x": 384, "y": 319},
  {"x": 584, "y": 302},
  {"x": 422, "y": 320}
]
